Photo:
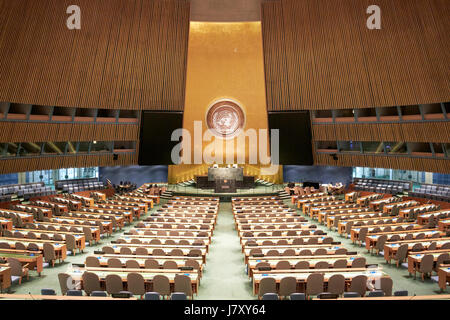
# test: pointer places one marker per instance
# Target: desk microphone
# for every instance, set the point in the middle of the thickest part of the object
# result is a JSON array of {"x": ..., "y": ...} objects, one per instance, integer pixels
[{"x": 31, "y": 296}]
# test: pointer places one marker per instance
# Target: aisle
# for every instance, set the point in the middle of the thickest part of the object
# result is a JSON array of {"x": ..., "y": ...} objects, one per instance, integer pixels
[{"x": 224, "y": 277}]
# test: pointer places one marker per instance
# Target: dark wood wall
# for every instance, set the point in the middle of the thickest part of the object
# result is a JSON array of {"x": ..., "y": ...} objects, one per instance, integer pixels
[
  {"x": 319, "y": 54},
  {"x": 60, "y": 132},
  {"x": 129, "y": 54},
  {"x": 438, "y": 132},
  {"x": 57, "y": 162},
  {"x": 392, "y": 162}
]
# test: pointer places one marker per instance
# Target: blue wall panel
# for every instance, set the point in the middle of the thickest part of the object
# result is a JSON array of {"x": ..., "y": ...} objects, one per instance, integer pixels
[
  {"x": 321, "y": 174},
  {"x": 12, "y": 178},
  {"x": 136, "y": 174},
  {"x": 440, "y": 178}
]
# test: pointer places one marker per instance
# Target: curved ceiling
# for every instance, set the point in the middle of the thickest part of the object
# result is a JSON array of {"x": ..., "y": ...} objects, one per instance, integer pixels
[{"x": 225, "y": 10}]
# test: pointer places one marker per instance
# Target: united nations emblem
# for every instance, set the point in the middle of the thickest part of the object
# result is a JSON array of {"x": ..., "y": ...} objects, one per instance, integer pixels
[{"x": 225, "y": 118}]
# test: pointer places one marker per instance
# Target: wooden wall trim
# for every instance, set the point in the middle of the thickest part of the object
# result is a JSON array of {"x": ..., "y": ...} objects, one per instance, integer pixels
[
  {"x": 320, "y": 55},
  {"x": 60, "y": 132},
  {"x": 438, "y": 132},
  {"x": 370, "y": 161},
  {"x": 129, "y": 54},
  {"x": 58, "y": 162}
]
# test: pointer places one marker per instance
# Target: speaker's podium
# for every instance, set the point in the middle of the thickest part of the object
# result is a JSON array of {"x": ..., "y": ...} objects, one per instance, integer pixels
[
  {"x": 225, "y": 180},
  {"x": 225, "y": 186}
]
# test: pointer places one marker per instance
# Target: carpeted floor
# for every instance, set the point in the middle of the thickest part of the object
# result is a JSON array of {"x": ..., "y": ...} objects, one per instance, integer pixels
[{"x": 224, "y": 276}]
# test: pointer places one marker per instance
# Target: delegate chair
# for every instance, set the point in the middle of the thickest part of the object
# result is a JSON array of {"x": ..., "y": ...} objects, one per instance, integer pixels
[{"x": 267, "y": 285}]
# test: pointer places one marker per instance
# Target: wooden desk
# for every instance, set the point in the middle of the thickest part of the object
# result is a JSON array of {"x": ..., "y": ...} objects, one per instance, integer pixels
[
  {"x": 120, "y": 220},
  {"x": 116, "y": 247},
  {"x": 34, "y": 259},
  {"x": 337, "y": 203},
  {"x": 371, "y": 240},
  {"x": 312, "y": 260},
  {"x": 60, "y": 247},
  {"x": 444, "y": 276},
  {"x": 141, "y": 261},
  {"x": 342, "y": 225},
  {"x": 5, "y": 277},
  {"x": 354, "y": 232},
  {"x": 331, "y": 216},
  {"x": 143, "y": 206},
  {"x": 414, "y": 259},
  {"x": 331, "y": 249},
  {"x": 47, "y": 212},
  {"x": 75, "y": 204},
  {"x": 6, "y": 224},
  {"x": 180, "y": 261},
  {"x": 390, "y": 249},
  {"x": 147, "y": 275},
  {"x": 125, "y": 216},
  {"x": 403, "y": 204},
  {"x": 405, "y": 213},
  {"x": 136, "y": 211},
  {"x": 301, "y": 275},
  {"x": 444, "y": 225},
  {"x": 95, "y": 230},
  {"x": 370, "y": 197},
  {"x": 107, "y": 225},
  {"x": 80, "y": 239},
  {"x": 375, "y": 205}
]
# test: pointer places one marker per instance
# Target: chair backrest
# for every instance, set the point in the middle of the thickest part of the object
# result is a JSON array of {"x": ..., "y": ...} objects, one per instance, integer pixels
[
  {"x": 340, "y": 264},
  {"x": 92, "y": 261},
  {"x": 136, "y": 283},
  {"x": 16, "y": 267},
  {"x": 108, "y": 250},
  {"x": 314, "y": 284},
  {"x": 266, "y": 285},
  {"x": 426, "y": 265},
  {"x": 132, "y": 264},
  {"x": 91, "y": 282},
  {"x": 386, "y": 286},
  {"x": 359, "y": 262},
  {"x": 63, "y": 282},
  {"x": 113, "y": 283},
  {"x": 322, "y": 265},
  {"x": 183, "y": 283},
  {"x": 336, "y": 284},
  {"x": 401, "y": 253},
  {"x": 288, "y": 285},
  {"x": 359, "y": 284},
  {"x": 170, "y": 265},
  {"x": 283, "y": 265},
  {"x": 161, "y": 285},
  {"x": 49, "y": 252},
  {"x": 114, "y": 263}
]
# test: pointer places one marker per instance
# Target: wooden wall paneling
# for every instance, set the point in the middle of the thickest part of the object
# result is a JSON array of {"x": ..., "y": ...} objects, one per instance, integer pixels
[
  {"x": 128, "y": 54},
  {"x": 59, "y": 132},
  {"x": 437, "y": 132},
  {"x": 56, "y": 162},
  {"x": 335, "y": 61},
  {"x": 392, "y": 162}
]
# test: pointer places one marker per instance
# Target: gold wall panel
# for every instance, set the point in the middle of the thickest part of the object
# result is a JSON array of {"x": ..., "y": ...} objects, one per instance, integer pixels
[{"x": 225, "y": 61}]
